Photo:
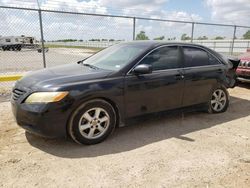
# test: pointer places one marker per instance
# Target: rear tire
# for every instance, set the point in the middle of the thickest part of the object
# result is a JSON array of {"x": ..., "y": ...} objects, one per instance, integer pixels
[
  {"x": 219, "y": 100},
  {"x": 92, "y": 122}
]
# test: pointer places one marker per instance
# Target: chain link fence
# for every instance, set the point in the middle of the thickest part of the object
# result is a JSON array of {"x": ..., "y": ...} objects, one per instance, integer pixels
[{"x": 34, "y": 38}]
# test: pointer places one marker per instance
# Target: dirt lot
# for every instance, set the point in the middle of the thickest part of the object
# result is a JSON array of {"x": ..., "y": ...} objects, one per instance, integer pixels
[
  {"x": 20, "y": 62},
  {"x": 27, "y": 59},
  {"x": 182, "y": 150}
]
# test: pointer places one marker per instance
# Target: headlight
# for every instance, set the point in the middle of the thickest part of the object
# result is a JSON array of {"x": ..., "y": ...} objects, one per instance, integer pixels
[{"x": 46, "y": 97}]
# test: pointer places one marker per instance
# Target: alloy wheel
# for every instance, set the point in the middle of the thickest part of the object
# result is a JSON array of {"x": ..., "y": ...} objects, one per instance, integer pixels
[
  {"x": 94, "y": 123},
  {"x": 219, "y": 100}
]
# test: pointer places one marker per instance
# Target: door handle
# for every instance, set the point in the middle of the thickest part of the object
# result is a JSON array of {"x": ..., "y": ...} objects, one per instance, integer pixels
[
  {"x": 219, "y": 70},
  {"x": 179, "y": 76}
]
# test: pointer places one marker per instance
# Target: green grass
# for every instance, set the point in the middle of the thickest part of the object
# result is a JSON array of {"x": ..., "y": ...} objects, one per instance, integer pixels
[{"x": 77, "y": 47}]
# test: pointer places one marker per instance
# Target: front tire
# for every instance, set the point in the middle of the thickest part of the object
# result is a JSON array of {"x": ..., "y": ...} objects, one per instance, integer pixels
[
  {"x": 92, "y": 122},
  {"x": 219, "y": 101}
]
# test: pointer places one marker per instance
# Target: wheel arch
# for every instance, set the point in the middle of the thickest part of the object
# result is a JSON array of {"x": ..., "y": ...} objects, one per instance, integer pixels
[
  {"x": 220, "y": 85},
  {"x": 117, "y": 111}
]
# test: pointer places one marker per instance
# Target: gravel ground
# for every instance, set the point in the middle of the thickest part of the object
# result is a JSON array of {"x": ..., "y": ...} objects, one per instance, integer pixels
[{"x": 180, "y": 150}]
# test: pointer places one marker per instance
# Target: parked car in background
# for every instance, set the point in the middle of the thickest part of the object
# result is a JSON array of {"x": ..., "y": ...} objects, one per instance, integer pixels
[
  {"x": 243, "y": 70},
  {"x": 17, "y": 42},
  {"x": 87, "y": 100}
]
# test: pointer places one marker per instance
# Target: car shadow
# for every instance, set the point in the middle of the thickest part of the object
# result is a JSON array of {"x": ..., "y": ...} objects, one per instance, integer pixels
[
  {"x": 146, "y": 130},
  {"x": 244, "y": 85}
]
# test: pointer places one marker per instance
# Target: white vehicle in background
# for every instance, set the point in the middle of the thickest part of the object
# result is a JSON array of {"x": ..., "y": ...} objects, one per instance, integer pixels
[{"x": 16, "y": 43}]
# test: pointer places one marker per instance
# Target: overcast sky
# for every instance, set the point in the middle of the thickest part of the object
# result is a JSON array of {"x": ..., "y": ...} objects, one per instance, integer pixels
[{"x": 60, "y": 26}]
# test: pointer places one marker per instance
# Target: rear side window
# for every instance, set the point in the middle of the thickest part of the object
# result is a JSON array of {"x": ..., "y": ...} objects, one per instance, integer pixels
[
  {"x": 163, "y": 58},
  {"x": 213, "y": 60},
  {"x": 197, "y": 57}
]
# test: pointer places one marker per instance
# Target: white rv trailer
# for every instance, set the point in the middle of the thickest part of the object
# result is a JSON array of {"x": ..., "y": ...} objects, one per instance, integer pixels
[{"x": 17, "y": 42}]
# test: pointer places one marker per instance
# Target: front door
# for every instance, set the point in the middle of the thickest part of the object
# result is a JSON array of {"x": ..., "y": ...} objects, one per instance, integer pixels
[{"x": 157, "y": 91}]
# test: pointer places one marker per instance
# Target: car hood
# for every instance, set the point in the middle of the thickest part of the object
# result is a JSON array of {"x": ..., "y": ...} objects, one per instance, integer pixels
[
  {"x": 245, "y": 56},
  {"x": 53, "y": 78}
]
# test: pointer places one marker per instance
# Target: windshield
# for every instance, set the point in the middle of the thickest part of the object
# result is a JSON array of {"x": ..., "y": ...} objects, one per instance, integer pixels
[{"x": 115, "y": 57}]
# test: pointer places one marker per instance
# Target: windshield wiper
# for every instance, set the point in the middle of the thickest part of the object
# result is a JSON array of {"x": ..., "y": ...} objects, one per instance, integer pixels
[
  {"x": 86, "y": 64},
  {"x": 81, "y": 61},
  {"x": 91, "y": 66}
]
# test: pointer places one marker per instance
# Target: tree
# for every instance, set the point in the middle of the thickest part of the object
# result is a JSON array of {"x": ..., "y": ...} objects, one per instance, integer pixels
[
  {"x": 202, "y": 38},
  {"x": 95, "y": 40},
  {"x": 142, "y": 36},
  {"x": 219, "y": 38},
  {"x": 67, "y": 40},
  {"x": 185, "y": 37},
  {"x": 159, "y": 38},
  {"x": 247, "y": 35},
  {"x": 169, "y": 39}
]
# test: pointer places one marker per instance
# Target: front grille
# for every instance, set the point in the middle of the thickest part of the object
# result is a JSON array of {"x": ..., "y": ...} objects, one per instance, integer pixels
[
  {"x": 244, "y": 64},
  {"x": 17, "y": 93}
]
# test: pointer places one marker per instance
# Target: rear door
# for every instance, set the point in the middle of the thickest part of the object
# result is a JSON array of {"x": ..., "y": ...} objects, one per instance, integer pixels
[{"x": 202, "y": 70}]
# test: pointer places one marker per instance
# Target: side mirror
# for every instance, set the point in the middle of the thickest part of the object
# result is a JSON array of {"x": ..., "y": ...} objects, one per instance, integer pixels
[{"x": 143, "y": 69}]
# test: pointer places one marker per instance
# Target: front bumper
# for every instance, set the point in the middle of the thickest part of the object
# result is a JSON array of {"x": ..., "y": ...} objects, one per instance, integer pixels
[
  {"x": 241, "y": 79},
  {"x": 48, "y": 120},
  {"x": 243, "y": 74}
]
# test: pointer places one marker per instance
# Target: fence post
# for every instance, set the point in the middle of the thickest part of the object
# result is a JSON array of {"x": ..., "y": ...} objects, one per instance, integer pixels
[
  {"x": 41, "y": 30},
  {"x": 234, "y": 36},
  {"x": 192, "y": 33},
  {"x": 134, "y": 20}
]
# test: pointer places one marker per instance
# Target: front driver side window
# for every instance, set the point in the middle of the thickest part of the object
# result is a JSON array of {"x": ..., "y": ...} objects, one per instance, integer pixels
[{"x": 163, "y": 58}]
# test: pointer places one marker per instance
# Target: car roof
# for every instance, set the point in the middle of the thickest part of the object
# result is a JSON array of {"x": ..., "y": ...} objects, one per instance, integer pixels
[
  {"x": 154, "y": 43},
  {"x": 151, "y": 44}
]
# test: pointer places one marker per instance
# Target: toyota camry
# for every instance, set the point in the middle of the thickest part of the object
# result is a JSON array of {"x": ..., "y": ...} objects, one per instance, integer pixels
[{"x": 87, "y": 100}]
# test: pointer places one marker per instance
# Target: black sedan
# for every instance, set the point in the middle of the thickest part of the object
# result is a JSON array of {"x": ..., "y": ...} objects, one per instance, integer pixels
[{"x": 88, "y": 99}]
